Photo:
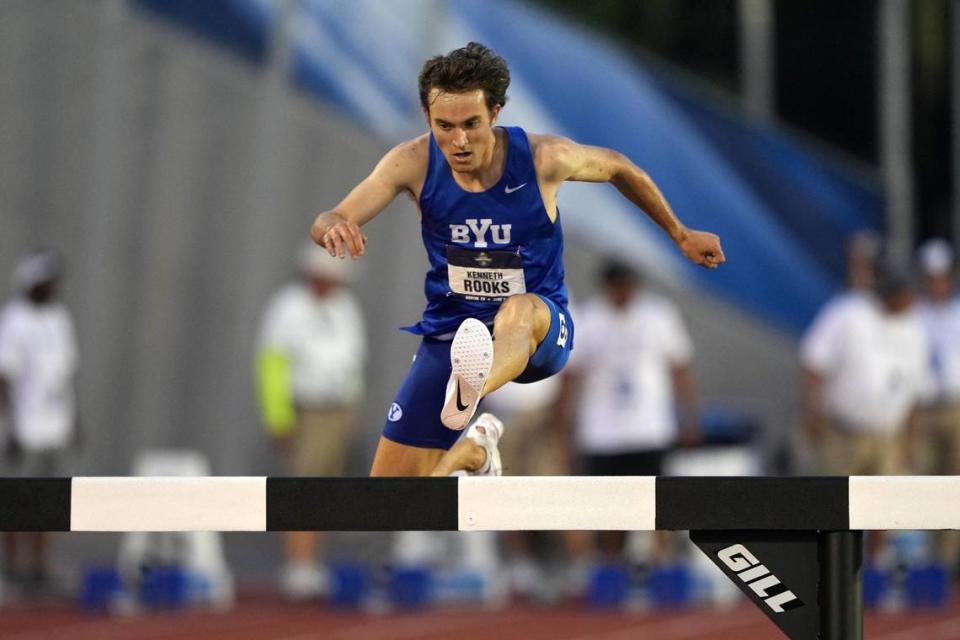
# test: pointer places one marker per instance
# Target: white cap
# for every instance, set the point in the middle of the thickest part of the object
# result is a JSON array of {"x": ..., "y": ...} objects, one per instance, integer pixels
[
  {"x": 37, "y": 267},
  {"x": 936, "y": 257},
  {"x": 315, "y": 261}
]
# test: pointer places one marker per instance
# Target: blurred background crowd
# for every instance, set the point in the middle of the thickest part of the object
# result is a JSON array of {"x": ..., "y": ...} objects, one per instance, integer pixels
[{"x": 160, "y": 164}]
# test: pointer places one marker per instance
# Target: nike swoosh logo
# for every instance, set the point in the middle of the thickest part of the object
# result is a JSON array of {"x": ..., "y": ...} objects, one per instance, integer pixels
[
  {"x": 509, "y": 189},
  {"x": 460, "y": 405}
]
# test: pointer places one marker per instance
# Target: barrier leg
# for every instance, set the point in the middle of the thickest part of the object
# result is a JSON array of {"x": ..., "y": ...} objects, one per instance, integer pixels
[
  {"x": 809, "y": 583},
  {"x": 841, "y": 585}
]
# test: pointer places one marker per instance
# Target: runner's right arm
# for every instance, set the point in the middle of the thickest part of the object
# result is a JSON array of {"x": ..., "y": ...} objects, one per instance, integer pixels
[{"x": 338, "y": 230}]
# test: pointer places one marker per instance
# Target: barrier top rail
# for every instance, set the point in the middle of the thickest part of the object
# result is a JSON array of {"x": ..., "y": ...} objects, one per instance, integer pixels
[{"x": 479, "y": 504}]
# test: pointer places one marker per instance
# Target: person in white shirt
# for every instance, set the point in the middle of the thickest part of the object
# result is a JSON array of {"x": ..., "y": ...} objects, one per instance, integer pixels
[
  {"x": 632, "y": 369},
  {"x": 866, "y": 369},
  {"x": 311, "y": 354},
  {"x": 38, "y": 364},
  {"x": 629, "y": 379},
  {"x": 940, "y": 417}
]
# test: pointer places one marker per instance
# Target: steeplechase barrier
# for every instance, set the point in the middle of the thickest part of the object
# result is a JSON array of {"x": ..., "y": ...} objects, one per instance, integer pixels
[{"x": 792, "y": 545}]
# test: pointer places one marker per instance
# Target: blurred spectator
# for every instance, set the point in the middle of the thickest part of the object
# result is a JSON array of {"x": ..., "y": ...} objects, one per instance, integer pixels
[
  {"x": 940, "y": 418},
  {"x": 863, "y": 250},
  {"x": 630, "y": 377},
  {"x": 311, "y": 353},
  {"x": 534, "y": 447},
  {"x": 38, "y": 364},
  {"x": 866, "y": 367}
]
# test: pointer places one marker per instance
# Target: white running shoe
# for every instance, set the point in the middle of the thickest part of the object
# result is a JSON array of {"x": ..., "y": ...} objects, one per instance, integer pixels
[
  {"x": 486, "y": 432},
  {"x": 471, "y": 356}
]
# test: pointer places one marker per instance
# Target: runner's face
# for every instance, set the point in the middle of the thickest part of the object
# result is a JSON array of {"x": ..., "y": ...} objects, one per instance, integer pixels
[{"x": 463, "y": 128}]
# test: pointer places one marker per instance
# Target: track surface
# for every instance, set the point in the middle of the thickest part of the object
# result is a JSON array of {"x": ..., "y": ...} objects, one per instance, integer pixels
[{"x": 264, "y": 616}]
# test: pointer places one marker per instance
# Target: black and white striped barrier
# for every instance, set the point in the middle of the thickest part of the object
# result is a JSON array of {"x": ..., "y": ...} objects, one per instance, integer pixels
[
  {"x": 478, "y": 504},
  {"x": 793, "y": 545}
]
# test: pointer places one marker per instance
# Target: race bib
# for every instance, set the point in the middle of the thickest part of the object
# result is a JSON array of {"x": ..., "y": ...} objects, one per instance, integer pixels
[{"x": 485, "y": 275}]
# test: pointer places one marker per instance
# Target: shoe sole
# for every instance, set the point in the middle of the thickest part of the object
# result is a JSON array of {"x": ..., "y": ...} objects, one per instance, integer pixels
[{"x": 471, "y": 355}]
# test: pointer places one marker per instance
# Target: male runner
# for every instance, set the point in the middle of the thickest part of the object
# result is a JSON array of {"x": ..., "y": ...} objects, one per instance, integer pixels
[{"x": 487, "y": 198}]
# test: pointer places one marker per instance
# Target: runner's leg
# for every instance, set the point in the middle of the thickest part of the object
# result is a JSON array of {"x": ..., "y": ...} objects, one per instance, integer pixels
[
  {"x": 400, "y": 460},
  {"x": 520, "y": 326}
]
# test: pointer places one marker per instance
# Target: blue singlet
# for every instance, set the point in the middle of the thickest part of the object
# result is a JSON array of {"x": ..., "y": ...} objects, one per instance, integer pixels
[{"x": 483, "y": 247}]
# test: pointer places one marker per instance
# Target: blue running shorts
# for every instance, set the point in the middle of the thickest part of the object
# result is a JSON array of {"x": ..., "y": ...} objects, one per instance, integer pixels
[{"x": 414, "y": 417}]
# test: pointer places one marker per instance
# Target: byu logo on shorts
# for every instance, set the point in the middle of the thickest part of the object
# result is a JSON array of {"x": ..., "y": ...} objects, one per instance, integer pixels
[
  {"x": 394, "y": 413},
  {"x": 562, "y": 338}
]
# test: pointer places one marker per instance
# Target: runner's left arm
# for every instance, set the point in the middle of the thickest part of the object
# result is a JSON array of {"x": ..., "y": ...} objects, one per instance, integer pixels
[{"x": 560, "y": 159}]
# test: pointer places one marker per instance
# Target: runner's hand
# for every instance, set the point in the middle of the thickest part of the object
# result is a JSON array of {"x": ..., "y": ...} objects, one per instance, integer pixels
[
  {"x": 342, "y": 238},
  {"x": 703, "y": 248}
]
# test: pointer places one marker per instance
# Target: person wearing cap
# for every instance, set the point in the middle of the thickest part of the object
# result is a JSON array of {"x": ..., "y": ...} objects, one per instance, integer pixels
[
  {"x": 310, "y": 361},
  {"x": 865, "y": 371},
  {"x": 866, "y": 368},
  {"x": 940, "y": 417},
  {"x": 38, "y": 364}
]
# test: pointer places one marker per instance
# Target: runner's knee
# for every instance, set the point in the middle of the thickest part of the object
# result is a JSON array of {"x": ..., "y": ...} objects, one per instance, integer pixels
[
  {"x": 525, "y": 313},
  {"x": 516, "y": 312}
]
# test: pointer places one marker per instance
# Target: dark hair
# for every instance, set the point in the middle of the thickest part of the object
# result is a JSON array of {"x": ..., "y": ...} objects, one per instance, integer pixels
[
  {"x": 891, "y": 276},
  {"x": 616, "y": 273},
  {"x": 467, "y": 69}
]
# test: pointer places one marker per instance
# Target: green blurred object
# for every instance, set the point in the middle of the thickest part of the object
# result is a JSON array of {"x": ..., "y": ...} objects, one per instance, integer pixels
[{"x": 275, "y": 391}]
